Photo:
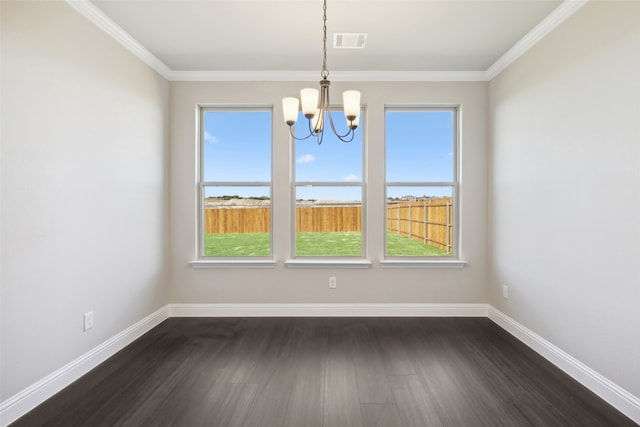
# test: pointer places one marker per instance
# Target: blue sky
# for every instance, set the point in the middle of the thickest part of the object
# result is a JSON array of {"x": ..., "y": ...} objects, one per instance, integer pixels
[
  {"x": 237, "y": 146},
  {"x": 418, "y": 148},
  {"x": 334, "y": 160}
]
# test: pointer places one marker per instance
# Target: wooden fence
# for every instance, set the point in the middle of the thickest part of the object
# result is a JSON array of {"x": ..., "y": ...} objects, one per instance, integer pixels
[
  {"x": 328, "y": 218},
  {"x": 308, "y": 219},
  {"x": 428, "y": 221},
  {"x": 237, "y": 220}
]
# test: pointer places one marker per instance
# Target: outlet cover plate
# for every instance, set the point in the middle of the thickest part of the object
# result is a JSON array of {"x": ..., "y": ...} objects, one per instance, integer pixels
[{"x": 88, "y": 320}]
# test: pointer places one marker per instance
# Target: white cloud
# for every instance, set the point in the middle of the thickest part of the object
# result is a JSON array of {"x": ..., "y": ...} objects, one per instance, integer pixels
[
  {"x": 210, "y": 138},
  {"x": 350, "y": 178},
  {"x": 307, "y": 158}
]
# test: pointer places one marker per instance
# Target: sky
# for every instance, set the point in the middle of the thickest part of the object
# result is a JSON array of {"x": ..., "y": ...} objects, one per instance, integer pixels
[{"x": 418, "y": 148}]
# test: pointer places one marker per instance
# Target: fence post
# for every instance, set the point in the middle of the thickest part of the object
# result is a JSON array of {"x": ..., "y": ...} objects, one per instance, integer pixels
[
  {"x": 448, "y": 228},
  {"x": 424, "y": 215},
  {"x": 429, "y": 227},
  {"x": 410, "y": 218}
]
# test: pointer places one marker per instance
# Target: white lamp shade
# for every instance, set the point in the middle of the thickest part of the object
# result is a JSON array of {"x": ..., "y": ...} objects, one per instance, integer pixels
[
  {"x": 290, "y": 110},
  {"x": 309, "y": 99},
  {"x": 351, "y": 102}
]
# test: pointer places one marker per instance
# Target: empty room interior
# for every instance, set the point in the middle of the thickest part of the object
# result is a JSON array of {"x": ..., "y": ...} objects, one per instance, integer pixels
[{"x": 459, "y": 248}]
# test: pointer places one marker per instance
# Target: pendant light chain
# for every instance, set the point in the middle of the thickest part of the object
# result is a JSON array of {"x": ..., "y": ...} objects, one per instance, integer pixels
[{"x": 325, "y": 73}]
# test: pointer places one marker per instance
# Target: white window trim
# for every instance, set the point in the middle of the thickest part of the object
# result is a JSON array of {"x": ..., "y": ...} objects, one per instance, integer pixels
[
  {"x": 315, "y": 261},
  {"x": 201, "y": 260},
  {"x": 422, "y": 263},
  {"x": 450, "y": 261},
  {"x": 232, "y": 263},
  {"x": 309, "y": 262}
]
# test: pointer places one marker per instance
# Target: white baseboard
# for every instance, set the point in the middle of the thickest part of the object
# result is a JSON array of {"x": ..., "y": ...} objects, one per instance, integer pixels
[
  {"x": 327, "y": 310},
  {"x": 26, "y": 400},
  {"x": 610, "y": 392},
  {"x": 21, "y": 403}
]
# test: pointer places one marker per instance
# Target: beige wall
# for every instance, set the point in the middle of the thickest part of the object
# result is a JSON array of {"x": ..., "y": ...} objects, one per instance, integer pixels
[
  {"x": 84, "y": 189},
  {"x": 285, "y": 285},
  {"x": 564, "y": 212}
]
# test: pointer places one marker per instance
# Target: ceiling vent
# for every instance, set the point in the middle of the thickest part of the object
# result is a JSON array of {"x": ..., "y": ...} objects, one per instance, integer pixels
[{"x": 349, "y": 40}]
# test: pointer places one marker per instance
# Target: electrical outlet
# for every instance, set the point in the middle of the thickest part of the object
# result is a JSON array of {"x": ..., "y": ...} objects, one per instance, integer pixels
[
  {"x": 88, "y": 320},
  {"x": 505, "y": 291},
  {"x": 332, "y": 282}
]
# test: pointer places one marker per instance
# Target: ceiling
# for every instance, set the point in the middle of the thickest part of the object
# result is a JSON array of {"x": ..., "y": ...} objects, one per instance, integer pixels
[{"x": 263, "y": 36}]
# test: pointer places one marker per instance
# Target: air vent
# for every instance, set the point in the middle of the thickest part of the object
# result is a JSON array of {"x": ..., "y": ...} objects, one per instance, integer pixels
[{"x": 349, "y": 40}]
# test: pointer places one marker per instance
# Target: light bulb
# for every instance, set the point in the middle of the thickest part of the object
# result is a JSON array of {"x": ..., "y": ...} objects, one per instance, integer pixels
[
  {"x": 351, "y": 102},
  {"x": 309, "y": 99},
  {"x": 290, "y": 110}
]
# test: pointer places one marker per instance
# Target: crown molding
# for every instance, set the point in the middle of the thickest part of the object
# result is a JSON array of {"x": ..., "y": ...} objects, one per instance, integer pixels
[
  {"x": 336, "y": 76},
  {"x": 102, "y": 21},
  {"x": 548, "y": 24}
]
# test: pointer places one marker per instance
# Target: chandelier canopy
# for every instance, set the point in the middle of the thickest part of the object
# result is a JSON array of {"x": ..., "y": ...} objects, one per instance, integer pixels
[{"x": 316, "y": 104}]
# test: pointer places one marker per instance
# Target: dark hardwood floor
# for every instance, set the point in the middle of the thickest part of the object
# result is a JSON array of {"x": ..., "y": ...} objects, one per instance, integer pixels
[{"x": 326, "y": 372}]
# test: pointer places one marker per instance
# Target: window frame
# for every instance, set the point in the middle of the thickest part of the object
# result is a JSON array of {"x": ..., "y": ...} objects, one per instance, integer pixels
[
  {"x": 203, "y": 260},
  {"x": 346, "y": 261},
  {"x": 445, "y": 261}
]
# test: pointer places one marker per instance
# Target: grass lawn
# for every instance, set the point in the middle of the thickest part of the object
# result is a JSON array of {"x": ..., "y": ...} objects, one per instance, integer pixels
[
  {"x": 312, "y": 244},
  {"x": 347, "y": 243},
  {"x": 237, "y": 244},
  {"x": 403, "y": 246}
]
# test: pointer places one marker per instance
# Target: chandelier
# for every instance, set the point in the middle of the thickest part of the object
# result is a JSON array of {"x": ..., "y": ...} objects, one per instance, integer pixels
[{"x": 315, "y": 109}]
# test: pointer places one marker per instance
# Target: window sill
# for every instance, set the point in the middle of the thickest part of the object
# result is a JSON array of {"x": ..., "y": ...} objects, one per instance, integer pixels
[
  {"x": 422, "y": 263},
  {"x": 328, "y": 263},
  {"x": 235, "y": 263}
]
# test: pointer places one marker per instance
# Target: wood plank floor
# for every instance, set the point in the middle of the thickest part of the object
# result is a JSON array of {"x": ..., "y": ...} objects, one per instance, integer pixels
[{"x": 325, "y": 372}]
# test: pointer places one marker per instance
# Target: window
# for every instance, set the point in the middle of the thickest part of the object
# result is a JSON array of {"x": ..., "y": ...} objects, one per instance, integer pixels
[
  {"x": 235, "y": 182},
  {"x": 421, "y": 182},
  {"x": 328, "y": 191}
]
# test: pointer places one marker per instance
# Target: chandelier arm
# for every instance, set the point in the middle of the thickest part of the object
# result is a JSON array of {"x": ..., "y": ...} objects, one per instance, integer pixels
[
  {"x": 350, "y": 132},
  {"x": 296, "y": 138},
  {"x": 341, "y": 136},
  {"x": 313, "y": 129},
  {"x": 324, "y": 93}
]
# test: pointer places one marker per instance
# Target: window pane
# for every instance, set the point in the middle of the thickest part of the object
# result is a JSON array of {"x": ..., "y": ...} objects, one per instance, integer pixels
[
  {"x": 334, "y": 160},
  {"x": 328, "y": 221},
  {"x": 237, "y": 221},
  {"x": 420, "y": 146},
  {"x": 236, "y": 146},
  {"x": 328, "y": 218},
  {"x": 419, "y": 221}
]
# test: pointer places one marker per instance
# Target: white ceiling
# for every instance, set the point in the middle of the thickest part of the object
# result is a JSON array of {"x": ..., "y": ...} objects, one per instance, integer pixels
[{"x": 251, "y": 36}]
